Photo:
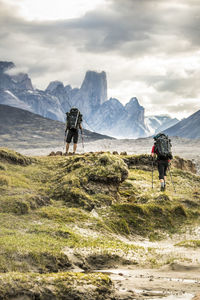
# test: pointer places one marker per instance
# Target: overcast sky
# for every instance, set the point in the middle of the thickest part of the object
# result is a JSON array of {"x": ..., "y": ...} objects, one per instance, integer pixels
[{"x": 148, "y": 48}]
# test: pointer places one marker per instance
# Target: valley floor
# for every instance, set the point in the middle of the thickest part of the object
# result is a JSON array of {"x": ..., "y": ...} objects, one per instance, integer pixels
[{"x": 189, "y": 149}]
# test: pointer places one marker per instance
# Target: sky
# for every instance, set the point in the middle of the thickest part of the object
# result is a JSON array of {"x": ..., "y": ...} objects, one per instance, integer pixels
[{"x": 149, "y": 49}]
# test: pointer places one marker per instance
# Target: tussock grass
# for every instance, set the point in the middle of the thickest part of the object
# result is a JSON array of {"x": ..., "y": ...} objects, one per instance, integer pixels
[
  {"x": 14, "y": 157},
  {"x": 189, "y": 244},
  {"x": 55, "y": 285}
]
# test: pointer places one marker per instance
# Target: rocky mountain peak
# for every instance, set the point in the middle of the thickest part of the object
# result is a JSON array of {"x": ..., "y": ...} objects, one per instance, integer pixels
[
  {"x": 133, "y": 104},
  {"x": 54, "y": 85},
  {"x": 114, "y": 101},
  {"x": 68, "y": 88},
  {"x": 6, "y": 65},
  {"x": 22, "y": 81},
  {"x": 96, "y": 85},
  {"x": 135, "y": 110}
]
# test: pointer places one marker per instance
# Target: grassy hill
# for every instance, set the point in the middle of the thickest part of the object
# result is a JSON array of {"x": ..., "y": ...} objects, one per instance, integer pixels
[
  {"x": 83, "y": 212},
  {"x": 22, "y": 129}
]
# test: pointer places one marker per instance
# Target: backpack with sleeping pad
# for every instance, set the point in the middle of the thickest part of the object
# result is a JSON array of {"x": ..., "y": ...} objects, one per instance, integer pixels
[
  {"x": 163, "y": 146},
  {"x": 74, "y": 118}
]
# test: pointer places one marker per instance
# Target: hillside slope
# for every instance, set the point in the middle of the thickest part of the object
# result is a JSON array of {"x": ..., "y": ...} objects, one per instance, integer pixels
[
  {"x": 86, "y": 212},
  {"x": 20, "y": 128},
  {"x": 187, "y": 128}
]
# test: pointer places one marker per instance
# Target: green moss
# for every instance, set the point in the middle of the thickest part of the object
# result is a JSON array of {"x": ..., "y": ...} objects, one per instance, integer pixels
[
  {"x": 103, "y": 199},
  {"x": 189, "y": 244},
  {"x": 2, "y": 167},
  {"x": 71, "y": 179},
  {"x": 84, "y": 179},
  {"x": 13, "y": 205},
  {"x": 63, "y": 215},
  {"x": 104, "y": 168},
  {"x": 121, "y": 226},
  {"x": 14, "y": 157},
  {"x": 185, "y": 175},
  {"x": 77, "y": 197},
  {"x": 38, "y": 251},
  {"x": 20, "y": 203},
  {"x": 55, "y": 286},
  {"x": 163, "y": 199},
  {"x": 146, "y": 218},
  {"x": 4, "y": 180}
]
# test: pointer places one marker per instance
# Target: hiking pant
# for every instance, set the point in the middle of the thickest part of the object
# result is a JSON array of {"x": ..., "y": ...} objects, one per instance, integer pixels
[
  {"x": 162, "y": 168},
  {"x": 72, "y": 133}
]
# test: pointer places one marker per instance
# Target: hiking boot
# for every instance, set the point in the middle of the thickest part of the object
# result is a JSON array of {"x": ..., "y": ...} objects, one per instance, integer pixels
[{"x": 162, "y": 188}]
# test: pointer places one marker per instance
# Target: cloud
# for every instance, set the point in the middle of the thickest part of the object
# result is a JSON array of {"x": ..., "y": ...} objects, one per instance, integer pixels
[{"x": 149, "y": 49}]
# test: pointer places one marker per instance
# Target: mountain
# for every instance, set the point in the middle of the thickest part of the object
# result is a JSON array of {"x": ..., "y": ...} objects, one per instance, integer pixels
[
  {"x": 92, "y": 94},
  {"x": 113, "y": 118},
  {"x": 187, "y": 128},
  {"x": 105, "y": 116},
  {"x": 17, "y": 90},
  {"x": 159, "y": 123},
  {"x": 21, "y": 128}
]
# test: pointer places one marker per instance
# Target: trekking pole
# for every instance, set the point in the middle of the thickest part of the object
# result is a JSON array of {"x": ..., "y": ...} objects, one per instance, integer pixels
[
  {"x": 82, "y": 139},
  {"x": 171, "y": 179},
  {"x": 152, "y": 172},
  {"x": 64, "y": 141}
]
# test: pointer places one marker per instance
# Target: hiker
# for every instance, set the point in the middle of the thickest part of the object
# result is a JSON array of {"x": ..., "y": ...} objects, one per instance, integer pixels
[
  {"x": 162, "y": 149},
  {"x": 73, "y": 124}
]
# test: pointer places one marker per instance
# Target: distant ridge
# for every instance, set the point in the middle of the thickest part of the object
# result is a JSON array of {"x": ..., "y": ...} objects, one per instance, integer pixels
[
  {"x": 187, "y": 128},
  {"x": 21, "y": 128}
]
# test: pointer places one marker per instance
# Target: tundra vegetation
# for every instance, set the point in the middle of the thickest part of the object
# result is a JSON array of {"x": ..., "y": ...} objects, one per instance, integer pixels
[{"x": 62, "y": 215}]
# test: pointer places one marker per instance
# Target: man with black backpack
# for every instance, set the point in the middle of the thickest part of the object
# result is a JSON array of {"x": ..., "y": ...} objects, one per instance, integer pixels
[
  {"x": 73, "y": 124},
  {"x": 162, "y": 148}
]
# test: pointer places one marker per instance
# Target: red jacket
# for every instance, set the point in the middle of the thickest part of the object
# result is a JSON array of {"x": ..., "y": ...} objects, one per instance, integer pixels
[{"x": 153, "y": 151}]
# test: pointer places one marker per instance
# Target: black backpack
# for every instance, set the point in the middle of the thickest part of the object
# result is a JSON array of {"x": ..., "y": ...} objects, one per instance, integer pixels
[
  {"x": 163, "y": 146},
  {"x": 74, "y": 118}
]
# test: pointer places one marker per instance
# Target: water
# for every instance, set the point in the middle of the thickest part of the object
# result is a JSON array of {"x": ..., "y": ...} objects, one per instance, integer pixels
[{"x": 175, "y": 297}]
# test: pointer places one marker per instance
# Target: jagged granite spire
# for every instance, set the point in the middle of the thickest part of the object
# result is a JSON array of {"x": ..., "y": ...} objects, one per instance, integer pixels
[
  {"x": 96, "y": 84},
  {"x": 92, "y": 94}
]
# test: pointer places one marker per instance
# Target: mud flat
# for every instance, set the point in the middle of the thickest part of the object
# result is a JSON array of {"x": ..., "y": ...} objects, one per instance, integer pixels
[{"x": 155, "y": 283}]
